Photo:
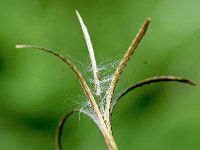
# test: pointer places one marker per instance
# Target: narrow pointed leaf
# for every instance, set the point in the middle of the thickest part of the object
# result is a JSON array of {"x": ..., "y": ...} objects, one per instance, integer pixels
[
  {"x": 121, "y": 67},
  {"x": 149, "y": 81},
  {"x": 91, "y": 54},
  {"x": 77, "y": 73}
]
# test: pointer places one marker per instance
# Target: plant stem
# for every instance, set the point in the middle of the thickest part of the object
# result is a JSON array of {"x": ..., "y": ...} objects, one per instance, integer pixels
[
  {"x": 91, "y": 54},
  {"x": 110, "y": 141},
  {"x": 149, "y": 81},
  {"x": 120, "y": 69},
  {"x": 82, "y": 81},
  {"x": 108, "y": 137},
  {"x": 60, "y": 127}
]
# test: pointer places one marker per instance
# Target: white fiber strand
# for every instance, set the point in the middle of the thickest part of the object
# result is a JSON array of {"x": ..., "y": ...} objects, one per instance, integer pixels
[{"x": 91, "y": 53}]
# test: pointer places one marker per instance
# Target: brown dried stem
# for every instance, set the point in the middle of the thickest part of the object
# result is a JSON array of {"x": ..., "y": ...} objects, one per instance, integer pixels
[
  {"x": 108, "y": 137},
  {"x": 75, "y": 70},
  {"x": 120, "y": 69},
  {"x": 60, "y": 127},
  {"x": 149, "y": 81}
]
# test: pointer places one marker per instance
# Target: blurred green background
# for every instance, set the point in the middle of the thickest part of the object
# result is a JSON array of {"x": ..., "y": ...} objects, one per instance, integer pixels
[{"x": 36, "y": 89}]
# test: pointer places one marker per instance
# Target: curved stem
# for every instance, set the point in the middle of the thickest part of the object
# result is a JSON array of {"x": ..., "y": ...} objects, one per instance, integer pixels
[
  {"x": 149, "y": 81},
  {"x": 108, "y": 137},
  {"x": 60, "y": 127},
  {"x": 76, "y": 72}
]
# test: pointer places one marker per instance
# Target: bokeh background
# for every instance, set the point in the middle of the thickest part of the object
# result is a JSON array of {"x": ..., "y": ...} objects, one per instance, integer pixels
[{"x": 36, "y": 89}]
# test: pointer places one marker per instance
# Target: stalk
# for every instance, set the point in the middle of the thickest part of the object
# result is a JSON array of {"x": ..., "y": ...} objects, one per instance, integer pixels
[{"x": 120, "y": 69}]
